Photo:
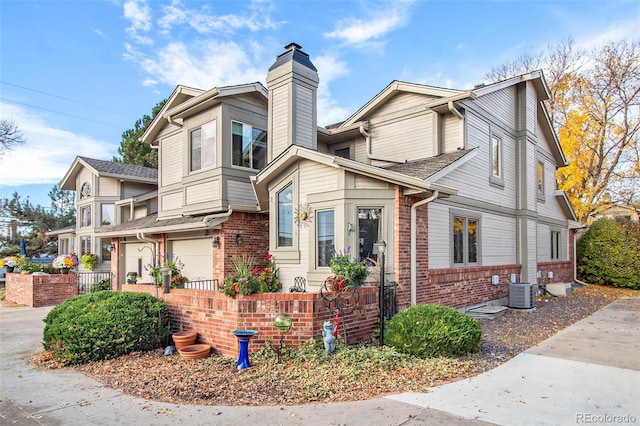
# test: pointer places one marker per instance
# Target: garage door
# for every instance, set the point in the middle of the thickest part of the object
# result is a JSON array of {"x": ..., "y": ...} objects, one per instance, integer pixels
[{"x": 196, "y": 255}]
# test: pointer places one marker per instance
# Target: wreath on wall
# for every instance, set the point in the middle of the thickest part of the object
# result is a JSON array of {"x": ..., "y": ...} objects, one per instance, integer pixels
[{"x": 303, "y": 215}]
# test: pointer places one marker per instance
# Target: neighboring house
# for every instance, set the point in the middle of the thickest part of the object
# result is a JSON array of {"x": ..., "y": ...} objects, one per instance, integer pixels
[
  {"x": 103, "y": 190},
  {"x": 615, "y": 211},
  {"x": 459, "y": 184}
]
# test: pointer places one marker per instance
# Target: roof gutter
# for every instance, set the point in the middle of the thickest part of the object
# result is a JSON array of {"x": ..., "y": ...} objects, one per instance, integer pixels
[
  {"x": 364, "y": 127},
  {"x": 414, "y": 215},
  {"x": 208, "y": 218}
]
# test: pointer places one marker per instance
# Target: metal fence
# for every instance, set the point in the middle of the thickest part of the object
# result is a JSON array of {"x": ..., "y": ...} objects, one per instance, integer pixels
[
  {"x": 202, "y": 284},
  {"x": 390, "y": 299},
  {"x": 89, "y": 282}
]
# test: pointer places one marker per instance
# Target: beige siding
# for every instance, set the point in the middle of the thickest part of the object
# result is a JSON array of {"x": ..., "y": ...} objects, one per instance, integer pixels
[
  {"x": 316, "y": 178},
  {"x": 140, "y": 211},
  {"x": 543, "y": 243},
  {"x": 401, "y": 101},
  {"x": 280, "y": 121},
  {"x": 452, "y": 133},
  {"x": 439, "y": 236},
  {"x": 363, "y": 182},
  {"x": 131, "y": 256},
  {"x": 502, "y": 104},
  {"x": 360, "y": 151},
  {"x": 202, "y": 192},
  {"x": 304, "y": 117},
  {"x": 171, "y": 201},
  {"x": 532, "y": 107},
  {"x": 131, "y": 189},
  {"x": 108, "y": 187},
  {"x": 240, "y": 193},
  {"x": 498, "y": 240},
  {"x": 171, "y": 160},
  {"x": 400, "y": 139}
]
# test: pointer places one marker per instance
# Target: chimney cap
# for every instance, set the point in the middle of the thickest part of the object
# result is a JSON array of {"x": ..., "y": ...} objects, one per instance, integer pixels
[{"x": 293, "y": 52}]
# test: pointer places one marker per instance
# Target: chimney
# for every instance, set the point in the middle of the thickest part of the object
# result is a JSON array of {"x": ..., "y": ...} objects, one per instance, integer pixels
[{"x": 292, "y": 82}]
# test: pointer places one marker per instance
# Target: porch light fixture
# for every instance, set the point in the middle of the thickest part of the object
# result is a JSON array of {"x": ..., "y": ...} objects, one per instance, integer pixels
[
  {"x": 216, "y": 242},
  {"x": 382, "y": 247},
  {"x": 239, "y": 240},
  {"x": 110, "y": 248}
]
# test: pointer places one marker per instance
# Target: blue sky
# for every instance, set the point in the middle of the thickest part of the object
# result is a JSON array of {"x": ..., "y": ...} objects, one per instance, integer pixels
[{"x": 74, "y": 75}]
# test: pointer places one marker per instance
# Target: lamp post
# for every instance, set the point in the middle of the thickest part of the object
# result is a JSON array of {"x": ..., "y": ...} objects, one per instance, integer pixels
[{"x": 382, "y": 246}]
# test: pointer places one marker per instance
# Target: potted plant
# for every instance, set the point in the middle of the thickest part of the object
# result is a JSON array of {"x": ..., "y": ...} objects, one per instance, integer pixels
[
  {"x": 8, "y": 263},
  {"x": 354, "y": 270},
  {"x": 89, "y": 261},
  {"x": 65, "y": 262}
]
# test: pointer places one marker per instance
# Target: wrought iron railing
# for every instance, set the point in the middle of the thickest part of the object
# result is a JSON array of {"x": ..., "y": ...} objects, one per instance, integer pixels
[
  {"x": 202, "y": 284},
  {"x": 390, "y": 299},
  {"x": 89, "y": 282}
]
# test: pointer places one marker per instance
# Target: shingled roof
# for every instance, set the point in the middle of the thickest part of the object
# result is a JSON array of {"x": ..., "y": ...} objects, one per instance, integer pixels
[
  {"x": 121, "y": 169},
  {"x": 424, "y": 169}
]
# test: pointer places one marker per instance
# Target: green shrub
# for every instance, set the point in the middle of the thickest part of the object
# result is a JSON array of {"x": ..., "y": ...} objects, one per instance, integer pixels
[
  {"x": 432, "y": 330},
  {"x": 101, "y": 286},
  {"x": 105, "y": 325},
  {"x": 609, "y": 253}
]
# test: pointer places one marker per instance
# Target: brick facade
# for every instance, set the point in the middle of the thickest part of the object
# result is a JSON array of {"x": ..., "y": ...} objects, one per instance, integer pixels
[
  {"x": 40, "y": 290},
  {"x": 214, "y": 316}
]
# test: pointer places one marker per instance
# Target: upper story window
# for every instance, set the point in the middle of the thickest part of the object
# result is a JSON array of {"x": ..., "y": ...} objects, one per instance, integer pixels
[
  {"x": 203, "y": 147},
  {"x": 540, "y": 176},
  {"x": 342, "y": 152},
  {"x": 369, "y": 232},
  {"x": 85, "y": 190},
  {"x": 85, "y": 216},
  {"x": 85, "y": 245},
  {"x": 326, "y": 236},
  {"x": 466, "y": 239},
  {"x": 285, "y": 217},
  {"x": 108, "y": 215},
  {"x": 249, "y": 146},
  {"x": 496, "y": 157}
]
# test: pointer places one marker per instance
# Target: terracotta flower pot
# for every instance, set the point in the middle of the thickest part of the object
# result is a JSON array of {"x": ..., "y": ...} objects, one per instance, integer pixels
[
  {"x": 195, "y": 351},
  {"x": 184, "y": 338}
]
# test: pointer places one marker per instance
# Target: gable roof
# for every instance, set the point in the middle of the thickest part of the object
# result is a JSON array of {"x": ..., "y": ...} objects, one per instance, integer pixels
[
  {"x": 123, "y": 171},
  {"x": 396, "y": 87},
  {"x": 185, "y": 101},
  {"x": 295, "y": 153}
]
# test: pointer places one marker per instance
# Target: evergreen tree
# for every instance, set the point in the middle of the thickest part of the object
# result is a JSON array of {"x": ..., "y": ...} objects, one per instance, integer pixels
[{"x": 131, "y": 150}]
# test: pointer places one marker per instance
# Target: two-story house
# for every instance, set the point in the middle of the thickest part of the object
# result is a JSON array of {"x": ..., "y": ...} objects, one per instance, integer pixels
[
  {"x": 460, "y": 184},
  {"x": 103, "y": 190}
]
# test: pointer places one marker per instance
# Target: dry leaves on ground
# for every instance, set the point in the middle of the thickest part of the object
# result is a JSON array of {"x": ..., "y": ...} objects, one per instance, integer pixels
[{"x": 215, "y": 381}]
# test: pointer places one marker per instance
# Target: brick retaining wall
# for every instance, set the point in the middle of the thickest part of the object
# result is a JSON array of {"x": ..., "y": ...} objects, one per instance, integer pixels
[
  {"x": 214, "y": 316},
  {"x": 40, "y": 290}
]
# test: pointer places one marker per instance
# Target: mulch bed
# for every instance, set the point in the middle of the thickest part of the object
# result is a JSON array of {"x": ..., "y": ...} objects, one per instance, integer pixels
[{"x": 215, "y": 381}]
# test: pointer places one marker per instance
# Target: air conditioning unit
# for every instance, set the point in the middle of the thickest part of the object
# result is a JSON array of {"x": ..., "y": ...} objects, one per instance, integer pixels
[{"x": 521, "y": 295}]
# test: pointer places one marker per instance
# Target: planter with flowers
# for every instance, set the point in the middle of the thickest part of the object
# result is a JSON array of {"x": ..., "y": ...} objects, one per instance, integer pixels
[
  {"x": 355, "y": 271},
  {"x": 249, "y": 279},
  {"x": 89, "y": 261},
  {"x": 175, "y": 265},
  {"x": 8, "y": 263},
  {"x": 65, "y": 262}
]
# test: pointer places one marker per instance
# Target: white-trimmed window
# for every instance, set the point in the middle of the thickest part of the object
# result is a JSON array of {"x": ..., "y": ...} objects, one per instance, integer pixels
[
  {"x": 85, "y": 217},
  {"x": 285, "y": 216},
  {"x": 105, "y": 254},
  {"x": 63, "y": 246},
  {"x": 466, "y": 240},
  {"x": 108, "y": 215},
  {"x": 202, "y": 142},
  {"x": 556, "y": 245},
  {"x": 249, "y": 146},
  {"x": 326, "y": 241},
  {"x": 85, "y": 245},
  {"x": 540, "y": 180},
  {"x": 496, "y": 160},
  {"x": 369, "y": 232}
]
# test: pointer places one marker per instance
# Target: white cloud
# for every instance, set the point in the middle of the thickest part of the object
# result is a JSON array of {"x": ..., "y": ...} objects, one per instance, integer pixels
[
  {"x": 139, "y": 14},
  {"x": 257, "y": 17},
  {"x": 329, "y": 68},
  {"x": 48, "y": 151},
  {"x": 203, "y": 64},
  {"x": 373, "y": 26}
]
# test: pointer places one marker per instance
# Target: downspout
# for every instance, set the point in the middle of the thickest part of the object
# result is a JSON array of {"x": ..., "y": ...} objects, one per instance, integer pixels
[
  {"x": 210, "y": 217},
  {"x": 364, "y": 127},
  {"x": 454, "y": 111},
  {"x": 140, "y": 236},
  {"x": 131, "y": 207},
  {"x": 460, "y": 117},
  {"x": 171, "y": 121},
  {"x": 575, "y": 259},
  {"x": 414, "y": 214}
]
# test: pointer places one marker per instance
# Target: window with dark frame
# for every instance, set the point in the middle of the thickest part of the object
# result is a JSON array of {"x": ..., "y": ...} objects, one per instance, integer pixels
[
  {"x": 465, "y": 240},
  {"x": 369, "y": 232},
  {"x": 248, "y": 146},
  {"x": 555, "y": 245},
  {"x": 285, "y": 217}
]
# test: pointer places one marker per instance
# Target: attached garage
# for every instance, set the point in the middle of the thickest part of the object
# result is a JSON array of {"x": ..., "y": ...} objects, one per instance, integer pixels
[{"x": 196, "y": 255}]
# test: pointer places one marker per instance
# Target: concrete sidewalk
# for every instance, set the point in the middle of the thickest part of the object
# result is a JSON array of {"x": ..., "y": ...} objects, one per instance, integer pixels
[{"x": 588, "y": 373}]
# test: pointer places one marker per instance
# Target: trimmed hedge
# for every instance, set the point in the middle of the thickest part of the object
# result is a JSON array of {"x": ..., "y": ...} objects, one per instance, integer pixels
[
  {"x": 428, "y": 331},
  {"x": 105, "y": 324},
  {"x": 609, "y": 254}
]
